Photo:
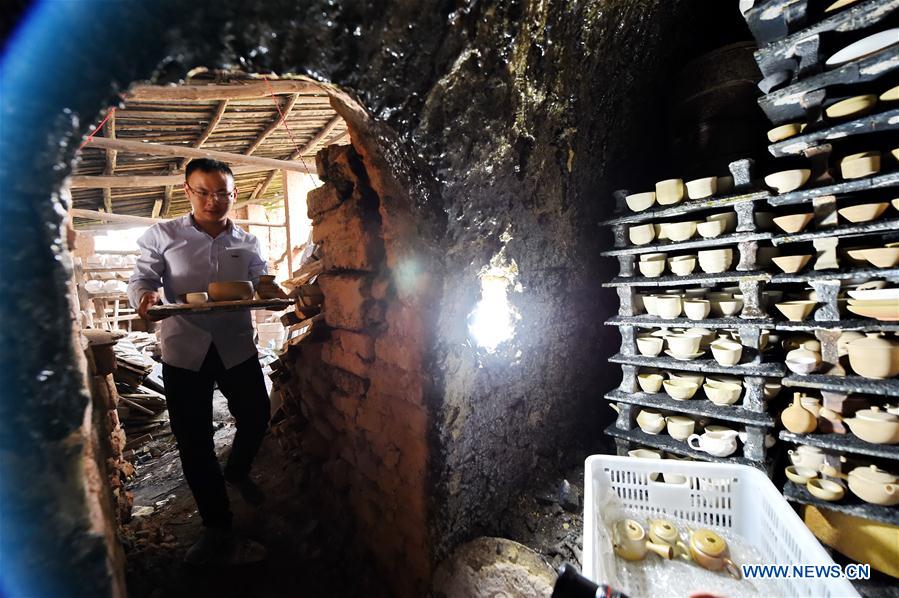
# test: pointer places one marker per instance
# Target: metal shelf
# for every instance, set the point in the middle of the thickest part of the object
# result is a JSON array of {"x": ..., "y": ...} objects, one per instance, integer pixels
[
  {"x": 685, "y": 207},
  {"x": 786, "y": 103},
  {"x": 731, "y": 239},
  {"x": 669, "y": 444},
  {"x": 669, "y": 281},
  {"x": 845, "y": 384},
  {"x": 701, "y": 365},
  {"x": 655, "y": 321},
  {"x": 847, "y": 443},
  {"x": 700, "y": 407},
  {"x": 874, "y": 123},
  {"x": 880, "y": 181},
  {"x": 849, "y": 504},
  {"x": 848, "y": 230}
]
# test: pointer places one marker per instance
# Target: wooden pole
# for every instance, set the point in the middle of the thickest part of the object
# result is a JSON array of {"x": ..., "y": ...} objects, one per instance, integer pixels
[
  {"x": 157, "y": 149},
  {"x": 233, "y": 91},
  {"x": 111, "y": 155},
  {"x": 287, "y": 195},
  {"x": 96, "y": 215}
]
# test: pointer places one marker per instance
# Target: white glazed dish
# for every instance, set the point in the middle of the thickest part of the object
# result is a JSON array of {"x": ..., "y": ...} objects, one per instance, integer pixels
[{"x": 864, "y": 47}]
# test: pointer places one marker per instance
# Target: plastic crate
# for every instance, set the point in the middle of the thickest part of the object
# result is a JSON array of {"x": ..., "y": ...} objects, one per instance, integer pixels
[{"x": 736, "y": 498}]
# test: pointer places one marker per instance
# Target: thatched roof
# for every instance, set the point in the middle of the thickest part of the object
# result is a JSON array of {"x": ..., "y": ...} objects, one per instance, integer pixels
[{"x": 235, "y": 116}]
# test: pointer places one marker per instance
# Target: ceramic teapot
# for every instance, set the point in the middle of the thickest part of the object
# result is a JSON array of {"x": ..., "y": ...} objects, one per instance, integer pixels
[
  {"x": 875, "y": 426},
  {"x": 630, "y": 542},
  {"x": 719, "y": 444},
  {"x": 664, "y": 533},
  {"x": 874, "y": 356},
  {"x": 710, "y": 551},
  {"x": 874, "y": 485}
]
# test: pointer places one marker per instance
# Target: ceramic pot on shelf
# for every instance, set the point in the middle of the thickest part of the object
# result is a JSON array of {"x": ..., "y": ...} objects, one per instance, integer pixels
[
  {"x": 797, "y": 419},
  {"x": 874, "y": 356}
]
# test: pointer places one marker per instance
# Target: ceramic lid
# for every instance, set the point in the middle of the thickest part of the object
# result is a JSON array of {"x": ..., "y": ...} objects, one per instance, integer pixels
[
  {"x": 873, "y": 474},
  {"x": 709, "y": 542},
  {"x": 876, "y": 415},
  {"x": 873, "y": 340}
]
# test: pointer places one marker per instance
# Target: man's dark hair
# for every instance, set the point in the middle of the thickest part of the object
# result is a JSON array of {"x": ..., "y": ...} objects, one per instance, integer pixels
[{"x": 206, "y": 165}]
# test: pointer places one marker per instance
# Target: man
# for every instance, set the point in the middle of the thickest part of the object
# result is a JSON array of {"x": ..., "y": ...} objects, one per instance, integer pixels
[{"x": 183, "y": 256}]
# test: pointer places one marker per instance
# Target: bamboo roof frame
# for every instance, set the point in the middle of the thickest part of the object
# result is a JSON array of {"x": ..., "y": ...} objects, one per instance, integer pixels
[{"x": 134, "y": 165}]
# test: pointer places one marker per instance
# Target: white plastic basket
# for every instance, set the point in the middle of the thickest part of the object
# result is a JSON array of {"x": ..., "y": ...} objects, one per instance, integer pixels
[{"x": 735, "y": 498}]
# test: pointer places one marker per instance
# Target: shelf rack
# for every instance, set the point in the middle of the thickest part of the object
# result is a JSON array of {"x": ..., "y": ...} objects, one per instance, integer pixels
[{"x": 792, "y": 44}]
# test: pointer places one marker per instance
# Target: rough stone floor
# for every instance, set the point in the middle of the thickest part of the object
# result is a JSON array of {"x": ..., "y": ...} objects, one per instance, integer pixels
[{"x": 307, "y": 556}]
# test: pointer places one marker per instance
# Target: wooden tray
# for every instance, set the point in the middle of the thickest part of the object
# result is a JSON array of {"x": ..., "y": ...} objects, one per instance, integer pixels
[{"x": 174, "y": 309}]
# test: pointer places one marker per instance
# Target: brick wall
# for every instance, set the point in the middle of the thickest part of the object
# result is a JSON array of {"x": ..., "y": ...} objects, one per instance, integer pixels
[{"x": 354, "y": 393}]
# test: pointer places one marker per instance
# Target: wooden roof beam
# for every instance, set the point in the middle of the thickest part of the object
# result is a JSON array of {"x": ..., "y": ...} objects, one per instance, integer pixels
[
  {"x": 213, "y": 123},
  {"x": 157, "y": 149},
  {"x": 231, "y": 91},
  {"x": 123, "y": 181},
  {"x": 283, "y": 113},
  {"x": 128, "y": 219}
]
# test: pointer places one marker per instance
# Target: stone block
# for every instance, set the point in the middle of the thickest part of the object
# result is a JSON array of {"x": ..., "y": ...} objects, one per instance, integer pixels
[
  {"x": 349, "y": 239},
  {"x": 402, "y": 352},
  {"x": 347, "y": 297},
  {"x": 345, "y": 404},
  {"x": 335, "y": 355},
  {"x": 404, "y": 321},
  {"x": 340, "y": 165},
  {"x": 347, "y": 382},
  {"x": 390, "y": 380},
  {"x": 320, "y": 200}
]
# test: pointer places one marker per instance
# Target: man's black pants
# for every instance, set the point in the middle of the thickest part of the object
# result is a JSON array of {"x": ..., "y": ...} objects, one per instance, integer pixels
[{"x": 189, "y": 398}]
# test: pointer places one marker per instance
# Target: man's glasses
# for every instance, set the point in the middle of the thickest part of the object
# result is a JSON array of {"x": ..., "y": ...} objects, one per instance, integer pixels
[{"x": 219, "y": 196}]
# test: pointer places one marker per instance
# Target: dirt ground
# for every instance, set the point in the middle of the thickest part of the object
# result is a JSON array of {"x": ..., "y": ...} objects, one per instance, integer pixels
[{"x": 308, "y": 555}]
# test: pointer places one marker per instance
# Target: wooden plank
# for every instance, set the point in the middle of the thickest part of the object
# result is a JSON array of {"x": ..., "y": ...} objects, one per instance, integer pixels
[
  {"x": 136, "y": 181},
  {"x": 156, "y": 149},
  {"x": 283, "y": 113},
  {"x": 93, "y": 215},
  {"x": 233, "y": 91}
]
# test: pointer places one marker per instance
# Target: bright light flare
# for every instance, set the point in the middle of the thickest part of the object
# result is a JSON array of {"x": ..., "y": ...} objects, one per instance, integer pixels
[{"x": 492, "y": 322}]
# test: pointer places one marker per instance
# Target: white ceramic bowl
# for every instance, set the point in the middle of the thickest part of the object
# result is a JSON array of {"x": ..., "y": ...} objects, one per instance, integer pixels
[
  {"x": 651, "y": 346},
  {"x": 701, "y": 188},
  {"x": 681, "y": 231},
  {"x": 680, "y": 390},
  {"x": 697, "y": 309},
  {"x": 668, "y": 307},
  {"x": 652, "y": 268},
  {"x": 650, "y": 383},
  {"x": 683, "y": 344},
  {"x": 196, "y": 298},
  {"x": 682, "y": 265},
  {"x": 788, "y": 180},
  {"x": 711, "y": 228},
  {"x": 641, "y": 234},
  {"x": 727, "y": 352},
  {"x": 638, "y": 202},
  {"x": 714, "y": 261},
  {"x": 670, "y": 191}
]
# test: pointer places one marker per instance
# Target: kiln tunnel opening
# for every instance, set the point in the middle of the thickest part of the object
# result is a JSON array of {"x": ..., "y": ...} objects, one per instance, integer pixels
[{"x": 345, "y": 359}]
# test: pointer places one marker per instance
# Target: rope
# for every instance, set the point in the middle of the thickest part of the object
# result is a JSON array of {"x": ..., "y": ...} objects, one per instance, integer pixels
[{"x": 97, "y": 130}]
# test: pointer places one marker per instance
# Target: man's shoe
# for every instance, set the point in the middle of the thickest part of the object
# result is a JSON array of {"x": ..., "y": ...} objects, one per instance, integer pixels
[
  {"x": 224, "y": 547},
  {"x": 248, "y": 490},
  {"x": 213, "y": 543}
]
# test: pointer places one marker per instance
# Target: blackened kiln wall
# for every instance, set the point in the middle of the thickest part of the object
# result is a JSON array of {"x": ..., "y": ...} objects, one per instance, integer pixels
[{"x": 513, "y": 117}]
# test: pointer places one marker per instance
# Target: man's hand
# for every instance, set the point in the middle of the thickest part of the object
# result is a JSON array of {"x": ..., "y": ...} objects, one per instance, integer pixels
[{"x": 148, "y": 300}]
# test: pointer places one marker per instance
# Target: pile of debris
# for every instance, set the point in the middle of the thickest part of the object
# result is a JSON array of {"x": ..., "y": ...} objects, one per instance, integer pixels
[
  {"x": 304, "y": 322},
  {"x": 141, "y": 407}
]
